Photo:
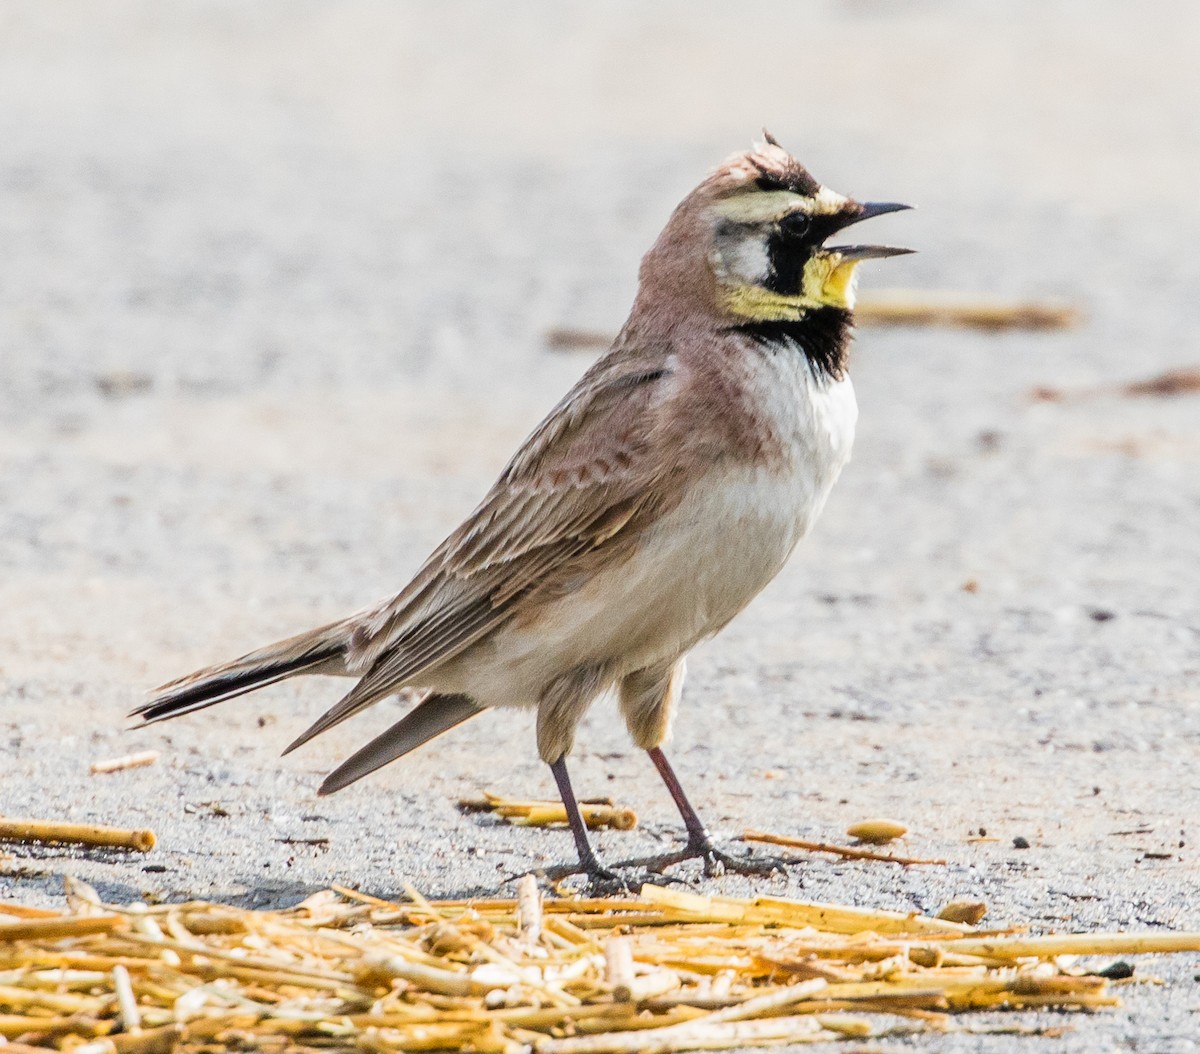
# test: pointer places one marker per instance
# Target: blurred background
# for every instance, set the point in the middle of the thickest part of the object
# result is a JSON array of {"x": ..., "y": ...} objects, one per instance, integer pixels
[{"x": 275, "y": 284}]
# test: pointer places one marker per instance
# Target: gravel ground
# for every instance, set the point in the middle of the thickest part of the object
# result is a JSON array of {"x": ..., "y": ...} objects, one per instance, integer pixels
[{"x": 274, "y": 284}]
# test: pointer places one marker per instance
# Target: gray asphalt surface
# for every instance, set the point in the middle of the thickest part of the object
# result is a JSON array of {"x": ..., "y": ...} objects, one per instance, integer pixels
[{"x": 274, "y": 284}]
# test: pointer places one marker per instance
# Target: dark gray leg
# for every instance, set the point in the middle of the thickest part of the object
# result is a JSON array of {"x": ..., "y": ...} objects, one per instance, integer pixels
[
  {"x": 697, "y": 833},
  {"x": 589, "y": 864},
  {"x": 699, "y": 844}
]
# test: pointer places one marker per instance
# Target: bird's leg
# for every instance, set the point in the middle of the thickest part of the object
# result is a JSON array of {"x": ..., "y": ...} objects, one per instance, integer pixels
[
  {"x": 699, "y": 843},
  {"x": 589, "y": 863}
]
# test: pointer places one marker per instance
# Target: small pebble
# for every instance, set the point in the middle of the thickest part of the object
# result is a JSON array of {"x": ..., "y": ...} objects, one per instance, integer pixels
[
  {"x": 877, "y": 832},
  {"x": 1118, "y": 971},
  {"x": 967, "y": 912}
]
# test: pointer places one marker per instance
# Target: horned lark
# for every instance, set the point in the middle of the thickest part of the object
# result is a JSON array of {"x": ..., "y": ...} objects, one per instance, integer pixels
[{"x": 664, "y": 491}]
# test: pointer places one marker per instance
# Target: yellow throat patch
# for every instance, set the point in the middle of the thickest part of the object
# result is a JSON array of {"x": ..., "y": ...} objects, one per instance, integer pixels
[{"x": 828, "y": 281}]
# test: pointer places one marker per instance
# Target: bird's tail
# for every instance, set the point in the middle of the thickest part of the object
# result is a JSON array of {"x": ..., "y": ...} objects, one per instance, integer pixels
[
  {"x": 431, "y": 717},
  {"x": 321, "y": 650}
]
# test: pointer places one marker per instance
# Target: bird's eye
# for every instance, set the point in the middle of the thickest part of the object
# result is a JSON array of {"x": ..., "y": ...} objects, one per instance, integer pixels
[{"x": 796, "y": 225}]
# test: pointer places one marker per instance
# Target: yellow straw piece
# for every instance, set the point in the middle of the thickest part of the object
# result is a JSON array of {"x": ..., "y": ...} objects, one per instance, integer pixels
[{"x": 667, "y": 971}]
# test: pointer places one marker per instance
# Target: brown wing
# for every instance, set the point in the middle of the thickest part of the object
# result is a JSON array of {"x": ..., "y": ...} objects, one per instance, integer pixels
[{"x": 590, "y": 470}]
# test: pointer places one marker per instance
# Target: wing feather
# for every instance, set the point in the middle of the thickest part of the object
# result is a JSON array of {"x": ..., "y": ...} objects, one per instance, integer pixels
[{"x": 584, "y": 476}]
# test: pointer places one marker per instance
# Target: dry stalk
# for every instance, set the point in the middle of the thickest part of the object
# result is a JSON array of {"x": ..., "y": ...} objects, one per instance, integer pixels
[
  {"x": 667, "y": 971},
  {"x": 529, "y": 909},
  {"x": 922, "y": 308},
  {"x": 75, "y": 834},
  {"x": 618, "y": 968},
  {"x": 131, "y": 1018},
  {"x": 832, "y": 918},
  {"x": 1075, "y": 944},
  {"x": 51, "y": 929},
  {"x": 127, "y": 761},
  {"x": 847, "y": 851},
  {"x": 596, "y": 812}
]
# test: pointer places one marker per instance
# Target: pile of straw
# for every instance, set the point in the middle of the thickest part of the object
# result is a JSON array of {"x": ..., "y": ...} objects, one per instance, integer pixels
[{"x": 666, "y": 971}]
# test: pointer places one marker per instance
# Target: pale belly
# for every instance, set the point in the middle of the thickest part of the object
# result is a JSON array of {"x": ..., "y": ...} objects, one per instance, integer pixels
[{"x": 703, "y": 563}]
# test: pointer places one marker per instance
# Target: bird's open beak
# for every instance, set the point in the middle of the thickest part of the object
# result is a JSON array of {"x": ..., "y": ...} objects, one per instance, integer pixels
[
  {"x": 871, "y": 209},
  {"x": 857, "y": 253},
  {"x": 866, "y": 252}
]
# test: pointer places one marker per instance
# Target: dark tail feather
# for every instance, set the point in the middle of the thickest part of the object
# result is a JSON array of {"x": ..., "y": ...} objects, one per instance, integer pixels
[
  {"x": 429, "y": 718},
  {"x": 305, "y": 653}
]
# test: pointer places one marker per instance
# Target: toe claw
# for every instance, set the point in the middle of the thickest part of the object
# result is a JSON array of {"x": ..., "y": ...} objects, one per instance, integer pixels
[
  {"x": 718, "y": 863},
  {"x": 600, "y": 879}
]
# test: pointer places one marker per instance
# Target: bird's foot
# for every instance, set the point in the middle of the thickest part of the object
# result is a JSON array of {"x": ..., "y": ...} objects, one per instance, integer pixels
[
  {"x": 601, "y": 880},
  {"x": 717, "y": 862}
]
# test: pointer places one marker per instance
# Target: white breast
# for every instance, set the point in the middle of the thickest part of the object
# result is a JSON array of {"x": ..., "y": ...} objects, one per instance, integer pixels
[
  {"x": 704, "y": 562},
  {"x": 736, "y": 530}
]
